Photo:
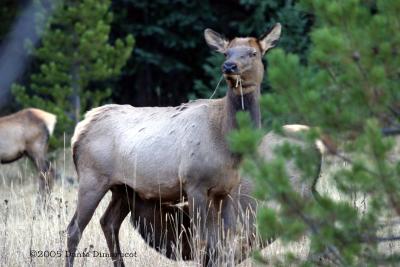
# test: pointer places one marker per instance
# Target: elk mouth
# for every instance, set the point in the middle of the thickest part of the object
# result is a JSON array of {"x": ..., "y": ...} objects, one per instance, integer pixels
[
  {"x": 236, "y": 80},
  {"x": 239, "y": 85},
  {"x": 232, "y": 78}
]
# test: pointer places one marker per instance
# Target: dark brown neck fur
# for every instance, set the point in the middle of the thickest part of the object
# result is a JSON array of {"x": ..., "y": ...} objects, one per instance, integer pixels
[{"x": 233, "y": 104}]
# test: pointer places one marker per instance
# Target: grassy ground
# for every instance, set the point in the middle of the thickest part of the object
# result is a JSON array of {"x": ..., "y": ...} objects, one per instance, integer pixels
[
  {"x": 25, "y": 229},
  {"x": 26, "y": 232}
]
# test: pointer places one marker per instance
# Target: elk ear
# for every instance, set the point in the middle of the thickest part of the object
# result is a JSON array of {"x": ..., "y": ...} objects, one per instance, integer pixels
[
  {"x": 215, "y": 40},
  {"x": 269, "y": 39}
]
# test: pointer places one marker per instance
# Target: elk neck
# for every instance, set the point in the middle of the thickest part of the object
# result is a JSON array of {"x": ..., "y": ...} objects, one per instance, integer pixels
[{"x": 233, "y": 105}]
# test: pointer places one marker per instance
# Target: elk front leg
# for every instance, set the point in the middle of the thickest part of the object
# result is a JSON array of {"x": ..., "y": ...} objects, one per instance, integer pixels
[
  {"x": 221, "y": 227},
  {"x": 204, "y": 225}
]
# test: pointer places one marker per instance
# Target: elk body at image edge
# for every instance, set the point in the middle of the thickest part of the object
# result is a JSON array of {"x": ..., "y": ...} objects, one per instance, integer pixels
[{"x": 27, "y": 133}]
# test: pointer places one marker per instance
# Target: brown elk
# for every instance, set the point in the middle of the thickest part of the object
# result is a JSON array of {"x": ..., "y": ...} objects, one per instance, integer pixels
[
  {"x": 153, "y": 219},
  {"x": 165, "y": 152},
  {"x": 26, "y": 133}
]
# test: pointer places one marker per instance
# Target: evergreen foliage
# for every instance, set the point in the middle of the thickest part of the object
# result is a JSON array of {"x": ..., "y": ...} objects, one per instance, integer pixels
[
  {"x": 74, "y": 57},
  {"x": 347, "y": 89},
  {"x": 172, "y": 62},
  {"x": 341, "y": 77}
]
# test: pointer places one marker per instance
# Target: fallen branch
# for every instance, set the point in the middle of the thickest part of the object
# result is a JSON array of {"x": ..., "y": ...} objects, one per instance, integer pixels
[{"x": 390, "y": 131}]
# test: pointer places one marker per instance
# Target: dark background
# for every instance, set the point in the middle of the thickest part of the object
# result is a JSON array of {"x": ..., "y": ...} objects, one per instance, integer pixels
[{"x": 171, "y": 62}]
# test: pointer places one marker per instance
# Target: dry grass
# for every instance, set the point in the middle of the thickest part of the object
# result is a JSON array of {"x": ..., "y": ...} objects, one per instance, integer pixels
[{"x": 25, "y": 228}]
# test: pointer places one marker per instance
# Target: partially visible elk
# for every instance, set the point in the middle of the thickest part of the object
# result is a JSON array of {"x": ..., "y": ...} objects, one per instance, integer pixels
[
  {"x": 26, "y": 133},
  {"x": 153, "y": 219},
  {"x": 163, "y": 153}
]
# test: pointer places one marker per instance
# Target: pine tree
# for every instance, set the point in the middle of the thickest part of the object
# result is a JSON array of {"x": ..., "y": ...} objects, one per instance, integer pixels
[
  {"x": 74, "y": 57},
  {"x": 348, "y": 91}
]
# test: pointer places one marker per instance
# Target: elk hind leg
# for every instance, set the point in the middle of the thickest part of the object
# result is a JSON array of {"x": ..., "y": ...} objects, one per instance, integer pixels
[
  {"x": 89, "y": 196},
  {"x": 111, "y": 221}
]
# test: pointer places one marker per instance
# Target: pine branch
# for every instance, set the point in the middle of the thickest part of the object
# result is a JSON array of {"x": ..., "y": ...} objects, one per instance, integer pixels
[{"x": 312, "y": 226}]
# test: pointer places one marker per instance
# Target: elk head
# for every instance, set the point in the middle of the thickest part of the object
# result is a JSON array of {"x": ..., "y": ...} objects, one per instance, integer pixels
[{"x": 243, "y": 57}]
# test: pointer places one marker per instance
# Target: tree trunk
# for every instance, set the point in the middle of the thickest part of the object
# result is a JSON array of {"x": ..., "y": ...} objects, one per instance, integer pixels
[{"x": 76, "y": 88}]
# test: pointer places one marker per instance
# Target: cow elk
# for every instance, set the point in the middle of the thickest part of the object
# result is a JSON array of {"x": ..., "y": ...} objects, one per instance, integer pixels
[
  {"x": 26, "y": 133},
  {"x": 163, "y": 153}
]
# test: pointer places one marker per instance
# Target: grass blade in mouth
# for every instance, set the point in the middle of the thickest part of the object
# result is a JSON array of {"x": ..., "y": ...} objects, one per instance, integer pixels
[
  {"x": 215, "y": 90},
  {"x": 241, "y": 91}
]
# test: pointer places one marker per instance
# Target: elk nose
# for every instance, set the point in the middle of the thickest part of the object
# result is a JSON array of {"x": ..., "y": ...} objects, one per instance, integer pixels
[{"x": 229, "y": 67}]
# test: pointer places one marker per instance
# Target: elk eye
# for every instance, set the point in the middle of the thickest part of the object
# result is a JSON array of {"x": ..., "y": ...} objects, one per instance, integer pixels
[
  {"x": 253, "y": 54},
  {"x": 225, "y": 54}
]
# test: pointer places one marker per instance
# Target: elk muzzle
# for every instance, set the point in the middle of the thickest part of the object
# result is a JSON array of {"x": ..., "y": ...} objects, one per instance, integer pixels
[{"x": 229, "y": 67}]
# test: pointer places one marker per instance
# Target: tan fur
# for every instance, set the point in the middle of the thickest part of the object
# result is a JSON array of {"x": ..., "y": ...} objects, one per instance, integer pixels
[
  {"x": 90, "y": 116},
  {"x": 27, "y": 133},
  {"x": 293, "y": 130},
  {"x": 49, "y": 119},
  {"x": 269, "y": 41}
]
